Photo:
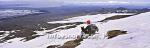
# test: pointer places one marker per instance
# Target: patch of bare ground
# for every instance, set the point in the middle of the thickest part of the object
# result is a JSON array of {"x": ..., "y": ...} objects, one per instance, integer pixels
[
  {"x": 115, "y": 17},
  {"x": 69, "y": 44},
  {"x": 114, "y": 33}
]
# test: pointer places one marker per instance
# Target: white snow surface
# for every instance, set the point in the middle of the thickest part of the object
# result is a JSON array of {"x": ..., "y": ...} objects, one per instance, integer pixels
[
  {"x": 93, "y": 18},
  {"x": 137, "y": 27},
  {"x": 138, "y": 33}
]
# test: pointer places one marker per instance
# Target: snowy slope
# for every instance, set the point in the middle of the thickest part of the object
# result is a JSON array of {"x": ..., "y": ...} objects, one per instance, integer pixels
[
  {"x": 93, "y": 18},
  {"x": 138, "y": 33},
  {"x": 46, "y": 40}
]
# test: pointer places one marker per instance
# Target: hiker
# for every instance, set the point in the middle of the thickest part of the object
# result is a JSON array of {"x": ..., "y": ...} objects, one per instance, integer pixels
[{"x": 90, "y": 29}]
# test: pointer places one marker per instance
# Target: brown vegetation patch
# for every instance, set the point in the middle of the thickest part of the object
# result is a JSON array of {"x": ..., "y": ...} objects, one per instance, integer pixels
[{"x": 114, "y": 33}]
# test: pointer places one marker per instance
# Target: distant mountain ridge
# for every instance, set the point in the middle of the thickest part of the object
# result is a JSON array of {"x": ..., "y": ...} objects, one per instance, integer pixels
[{"x": 25, "y": 5}]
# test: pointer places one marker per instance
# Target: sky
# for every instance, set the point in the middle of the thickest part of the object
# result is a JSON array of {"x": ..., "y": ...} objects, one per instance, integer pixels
[
  {"x": 78, "y": 0},
  {"x": 64, "y": 2}
]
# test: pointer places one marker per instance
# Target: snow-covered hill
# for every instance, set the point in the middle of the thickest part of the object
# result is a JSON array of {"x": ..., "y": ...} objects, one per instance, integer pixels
[
  {"x": 136, "y": 26},
  {"x": 138, "y": 33}
]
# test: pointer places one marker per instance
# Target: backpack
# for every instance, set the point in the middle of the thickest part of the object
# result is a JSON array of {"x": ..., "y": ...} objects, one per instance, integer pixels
[{"x": 90, "y": 29}]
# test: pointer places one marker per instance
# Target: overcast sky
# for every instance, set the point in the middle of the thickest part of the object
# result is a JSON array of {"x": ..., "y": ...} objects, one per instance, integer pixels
[
  {"x": 77, "y": 1},
  {"x": 62, "y": 2}
]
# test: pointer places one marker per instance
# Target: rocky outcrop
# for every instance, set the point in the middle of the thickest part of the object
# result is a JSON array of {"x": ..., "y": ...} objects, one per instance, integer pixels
[{"x": 114, "y": 33}]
